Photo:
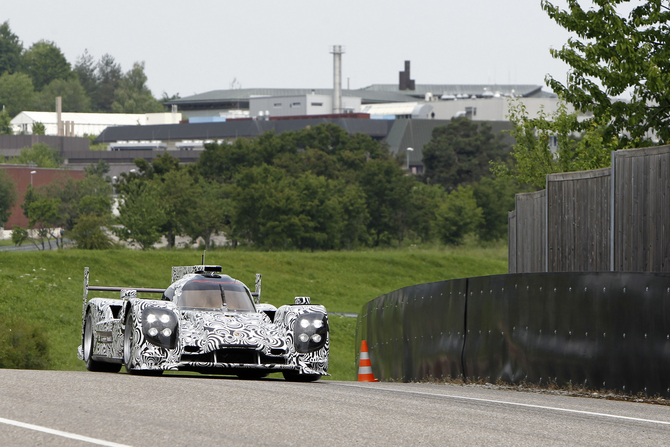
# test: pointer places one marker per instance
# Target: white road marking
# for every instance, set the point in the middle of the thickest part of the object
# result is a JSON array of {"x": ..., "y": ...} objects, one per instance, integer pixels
[
  {"x": 541, "y": 407},
  {"x": 61, "y": 433}
]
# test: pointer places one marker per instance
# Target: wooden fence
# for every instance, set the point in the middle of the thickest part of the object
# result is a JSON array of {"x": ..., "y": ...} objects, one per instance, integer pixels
[{"x": 595, "y": 221}]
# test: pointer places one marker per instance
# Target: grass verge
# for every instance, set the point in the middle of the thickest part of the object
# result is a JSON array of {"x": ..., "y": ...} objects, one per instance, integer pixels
[{"x": 45, "y": 288}]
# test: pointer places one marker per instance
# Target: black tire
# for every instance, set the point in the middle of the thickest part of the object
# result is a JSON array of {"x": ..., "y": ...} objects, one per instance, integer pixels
[
  {"x": 87, "y": 345},
  {"x": 128, "y": 346},
  {"x": 295, "y": 377}
]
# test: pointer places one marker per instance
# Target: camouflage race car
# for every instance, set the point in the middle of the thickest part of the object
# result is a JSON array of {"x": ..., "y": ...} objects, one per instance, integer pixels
[{"x": 207, "y": 322}]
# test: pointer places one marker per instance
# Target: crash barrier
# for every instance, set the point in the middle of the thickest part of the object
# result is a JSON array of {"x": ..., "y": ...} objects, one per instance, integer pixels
[
  {"x": 610, "y": 219},
  {"x": 599, "y": 330}
]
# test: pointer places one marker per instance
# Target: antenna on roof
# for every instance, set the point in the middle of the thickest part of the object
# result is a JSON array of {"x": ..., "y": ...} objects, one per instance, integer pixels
[{"x": 204, "y": 252}]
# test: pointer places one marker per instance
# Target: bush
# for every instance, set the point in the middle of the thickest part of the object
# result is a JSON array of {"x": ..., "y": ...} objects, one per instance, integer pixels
[
  {"x": 458, "y": 216},
  {"x": 23, "y": 346},
  {"x": 89, "y": 233},
  {"x": 19, "y": 234}
]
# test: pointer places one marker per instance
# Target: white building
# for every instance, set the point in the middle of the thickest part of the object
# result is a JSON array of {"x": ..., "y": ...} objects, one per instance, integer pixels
[
  {"x": 300, "y": 105},
  {"x": 88, "y": 123}
]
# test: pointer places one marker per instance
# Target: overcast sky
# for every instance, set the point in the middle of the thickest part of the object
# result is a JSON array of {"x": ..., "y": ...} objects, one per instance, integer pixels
[{"x": 198, "y": 46}]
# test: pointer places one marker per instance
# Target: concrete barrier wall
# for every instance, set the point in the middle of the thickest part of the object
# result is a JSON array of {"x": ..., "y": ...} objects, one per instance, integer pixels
[{"x": 600, "y": 330}]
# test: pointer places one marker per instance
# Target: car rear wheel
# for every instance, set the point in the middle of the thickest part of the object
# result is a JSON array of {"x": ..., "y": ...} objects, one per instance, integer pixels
[
  {"x": 292, "y": 376},
  {"x": 129, "y": 347},
  {"x": 88, "y": 346}
]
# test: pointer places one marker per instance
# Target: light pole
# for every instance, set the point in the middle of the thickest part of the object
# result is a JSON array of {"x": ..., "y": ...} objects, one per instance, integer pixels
[
  {"x": 408, "y": 150},
  {"x": 31, "y": 177}
]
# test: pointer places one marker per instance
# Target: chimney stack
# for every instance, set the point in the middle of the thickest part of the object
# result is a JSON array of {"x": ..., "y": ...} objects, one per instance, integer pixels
[
  {"x": 337, "y": 52},
  {"x": 405, "y": 82},
  {"x": 59, "y": 122}
]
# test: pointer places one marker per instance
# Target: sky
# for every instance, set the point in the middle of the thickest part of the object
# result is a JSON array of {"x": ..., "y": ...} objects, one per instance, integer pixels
[{"x": 202, "y": 45}]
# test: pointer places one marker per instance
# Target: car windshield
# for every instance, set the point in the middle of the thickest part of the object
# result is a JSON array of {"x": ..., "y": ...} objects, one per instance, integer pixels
[{"x": 213, "y": 293}]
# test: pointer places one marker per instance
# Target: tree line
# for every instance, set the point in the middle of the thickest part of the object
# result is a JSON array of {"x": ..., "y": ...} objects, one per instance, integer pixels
[
  {"x": 318, "y": 188},
  {"x": 31, "y": 79}
]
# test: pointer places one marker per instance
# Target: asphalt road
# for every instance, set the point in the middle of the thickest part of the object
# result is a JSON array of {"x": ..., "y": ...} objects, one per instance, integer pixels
[{"x": 177, "y": 410}]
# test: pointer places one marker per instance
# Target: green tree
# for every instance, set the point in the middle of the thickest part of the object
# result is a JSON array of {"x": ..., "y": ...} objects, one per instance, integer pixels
[
  {"x": 458, "y": 216},
  {"x": 70, "y": 90},
  {"x": 611, "y": 55},
  {"x": 459, "y": 153},
  {"x": 496, "y": 198},
  {"x": 210, "y": 211},
  {"x": 44, "y": 62},
  {"x": 40, "y": 154},
  {"x": 43, "y": 216},
  {"x": 533, "y": 156},
  {"x": 5, "y": 124},
  {"x": 85, "y": 68},
  {"x": 7, "y": 196},
  {"x": 19, "y": 234},
  {"x": 132, "y": 95},
  {"x": 355, "y": 215},
  {"x": 89, "y": 233},
  {"x": 108, "y": 74},
  {"x": 16, "y": 93},
  {"x": 38, "y": 128},
  {"x": 141, "y": 215},
  {"x": 10, "y": 50}
]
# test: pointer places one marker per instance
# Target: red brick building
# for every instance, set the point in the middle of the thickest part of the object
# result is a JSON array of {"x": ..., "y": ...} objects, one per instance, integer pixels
[{"x": 21, "y": 174}]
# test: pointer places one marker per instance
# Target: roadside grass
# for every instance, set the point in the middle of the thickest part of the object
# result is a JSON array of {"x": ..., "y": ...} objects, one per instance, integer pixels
[{"x": 45, "y": 288}]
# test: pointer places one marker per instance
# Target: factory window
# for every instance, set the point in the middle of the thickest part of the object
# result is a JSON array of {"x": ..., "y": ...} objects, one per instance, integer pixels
[
  {"x": 295, "y": 104},
  {"x": 317, "y": 104},
  {"x": 278, "y": 104}
]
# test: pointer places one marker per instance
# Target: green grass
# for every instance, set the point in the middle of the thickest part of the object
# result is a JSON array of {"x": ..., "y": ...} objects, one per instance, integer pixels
[{"x": 45, "y": 288}]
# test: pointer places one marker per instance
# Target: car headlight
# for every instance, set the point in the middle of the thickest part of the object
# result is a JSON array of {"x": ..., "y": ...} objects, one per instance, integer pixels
[
  {"x": 311, "y": 331},
  {"x": 160, "y": 327}
]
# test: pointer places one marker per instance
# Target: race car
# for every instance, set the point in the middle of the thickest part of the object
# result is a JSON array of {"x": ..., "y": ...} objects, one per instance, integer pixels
[{"x": 206, "y": 322}]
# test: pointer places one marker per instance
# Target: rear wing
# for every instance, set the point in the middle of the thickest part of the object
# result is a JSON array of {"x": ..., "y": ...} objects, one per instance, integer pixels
[{"x": 126, "y": 292}]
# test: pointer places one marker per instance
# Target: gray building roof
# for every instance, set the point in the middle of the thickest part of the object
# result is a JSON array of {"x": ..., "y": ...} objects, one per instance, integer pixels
[
  {"x": 240, "y": 97},
  {"x": 523, "y": 90},
  {"x": 374, "y": 94},
  {"x": 377, "y": 129}
]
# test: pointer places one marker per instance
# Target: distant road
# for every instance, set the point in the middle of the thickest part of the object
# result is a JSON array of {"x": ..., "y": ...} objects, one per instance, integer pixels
[{"x": 61, "y": 408}]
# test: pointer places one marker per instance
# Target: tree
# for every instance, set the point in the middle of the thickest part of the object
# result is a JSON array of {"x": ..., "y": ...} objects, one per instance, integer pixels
[
  {"x": 458, "y": 216},
  {"x": 132, "y": 95},
  {"x": 7, "y": 196},
  {"x": 496, "y": 198},
  {"x": 612, "y": 55},
  {"x": 19, "y": 235},
  {"x": 44, "y": 62},
  {"x": 38, "y": 128},
  {"x": 16, "y": 93},
  {"x": 40, "y": 154},
  {"x": 89, "y": 234},
  {"x": 108, "y": 75},
  {"x": 459, "y": 153},
  {"x": 534, "y": 158},
  {"x": 10, "y": 50},
  {"x": 85, "y": 68},
  {"x": 70, "y": 90},
  {"x": 210, "y": 212},
  {"x": 141, "y": 215},
  {"x": 5, "y": 123},
  {"x": 43, "y": 216},
  {"x": 355, "y": 215}
]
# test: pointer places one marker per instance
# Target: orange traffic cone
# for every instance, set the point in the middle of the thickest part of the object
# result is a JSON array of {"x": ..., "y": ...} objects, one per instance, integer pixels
[{"x": 365, "y": 366}]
